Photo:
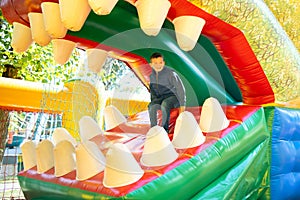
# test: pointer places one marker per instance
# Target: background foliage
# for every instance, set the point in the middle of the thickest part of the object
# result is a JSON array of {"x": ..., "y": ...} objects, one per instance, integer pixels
[
  {"x": 272, "y": 30},
  {"x": 36, "y": 64},
  {"x": 287, "y": 12}
]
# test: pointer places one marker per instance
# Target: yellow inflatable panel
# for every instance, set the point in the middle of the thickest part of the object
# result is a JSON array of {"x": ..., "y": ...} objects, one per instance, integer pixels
[{"x": 74, "y": 100}]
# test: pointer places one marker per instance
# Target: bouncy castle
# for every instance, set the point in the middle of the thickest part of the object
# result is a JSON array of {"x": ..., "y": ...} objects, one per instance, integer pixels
[{"x": 237, "y": 138}]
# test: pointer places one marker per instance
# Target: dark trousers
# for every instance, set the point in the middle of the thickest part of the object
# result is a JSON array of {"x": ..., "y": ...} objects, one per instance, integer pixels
[{"x": 165, "y": 104}]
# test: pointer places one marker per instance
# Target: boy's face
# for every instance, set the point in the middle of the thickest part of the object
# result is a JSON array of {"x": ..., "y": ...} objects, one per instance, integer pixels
[{"x": 157, "y": 64}]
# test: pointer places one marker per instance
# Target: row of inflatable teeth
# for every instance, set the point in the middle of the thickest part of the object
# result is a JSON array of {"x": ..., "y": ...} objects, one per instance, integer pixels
[
  {"x": 52, "y": 25},
  {"x": 57, "y": 18},
  {"x": 212, "y": 118},
  {"x": 119, "y": 165}
]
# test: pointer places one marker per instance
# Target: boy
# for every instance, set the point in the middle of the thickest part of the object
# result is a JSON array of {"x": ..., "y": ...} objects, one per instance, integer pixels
[{"x": 166, "y": 90}]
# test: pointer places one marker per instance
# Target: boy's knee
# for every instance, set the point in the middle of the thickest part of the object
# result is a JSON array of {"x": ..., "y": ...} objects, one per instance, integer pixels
[
  {"x": 167, "y": 105},
  {"x": 154, "y": 107}
]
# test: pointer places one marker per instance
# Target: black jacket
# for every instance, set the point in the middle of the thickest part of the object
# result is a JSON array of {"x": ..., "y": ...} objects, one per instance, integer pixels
[{"x": 167, "y": 83}]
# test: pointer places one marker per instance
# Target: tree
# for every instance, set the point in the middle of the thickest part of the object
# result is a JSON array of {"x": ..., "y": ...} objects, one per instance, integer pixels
[{"x": 36, "y": 64}]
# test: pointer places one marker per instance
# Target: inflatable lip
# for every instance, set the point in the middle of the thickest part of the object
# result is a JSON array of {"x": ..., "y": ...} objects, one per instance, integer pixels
[{"x": 191, "y": 163}]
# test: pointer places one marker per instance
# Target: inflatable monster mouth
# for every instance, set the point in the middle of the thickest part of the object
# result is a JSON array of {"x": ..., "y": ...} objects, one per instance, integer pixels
[
  {"x": 222, "y": 64},
  {"x": 195, "y": 169}
]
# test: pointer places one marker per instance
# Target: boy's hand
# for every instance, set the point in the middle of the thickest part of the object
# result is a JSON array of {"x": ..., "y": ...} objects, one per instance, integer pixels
[{"x": 181, "y": 109}]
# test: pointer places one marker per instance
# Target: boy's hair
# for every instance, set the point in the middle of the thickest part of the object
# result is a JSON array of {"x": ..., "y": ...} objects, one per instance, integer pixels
[{"x": 156, "y": 55}]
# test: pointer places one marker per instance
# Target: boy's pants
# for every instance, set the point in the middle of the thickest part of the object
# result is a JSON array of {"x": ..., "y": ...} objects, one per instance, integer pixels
[{"x": 165, "y": 104}]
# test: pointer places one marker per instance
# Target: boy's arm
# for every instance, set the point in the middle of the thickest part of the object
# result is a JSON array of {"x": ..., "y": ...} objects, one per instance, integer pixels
[
  {"x": 152, "y": 93},
  {"x": 180, "y": 90},
  {"x": 181, "y": 109}
]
